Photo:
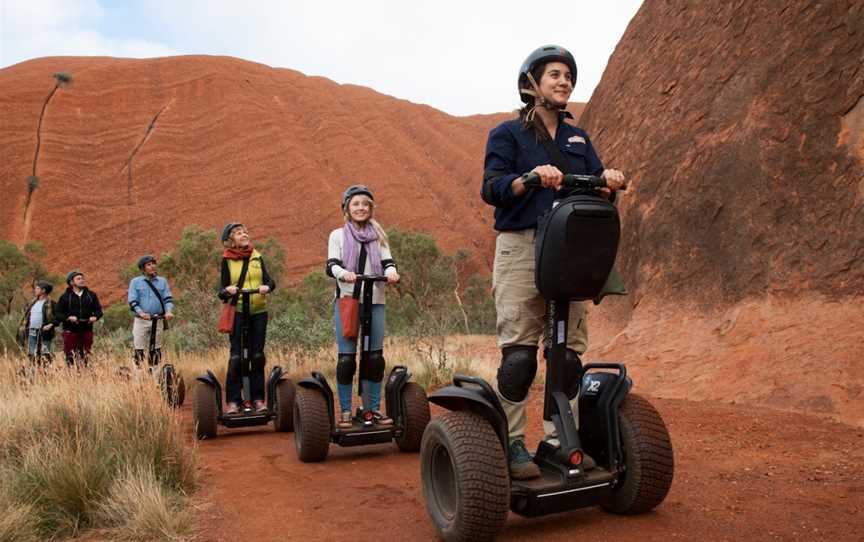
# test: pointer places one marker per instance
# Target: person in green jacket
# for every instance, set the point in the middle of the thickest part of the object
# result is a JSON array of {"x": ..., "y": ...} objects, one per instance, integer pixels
[{"x": 239, "y": 249}]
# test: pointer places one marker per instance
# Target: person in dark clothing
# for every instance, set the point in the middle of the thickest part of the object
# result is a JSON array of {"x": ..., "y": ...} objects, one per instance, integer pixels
[
  {"x": 538, "y": 141},
  {"x": 240, "y": 253},
  {"x": 77, "y": 309},
  {"x": 36, "y": 329}
]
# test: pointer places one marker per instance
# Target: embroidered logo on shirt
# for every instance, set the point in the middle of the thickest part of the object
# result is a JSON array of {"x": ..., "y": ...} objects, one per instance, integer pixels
[{"x": 576, "y": 139}]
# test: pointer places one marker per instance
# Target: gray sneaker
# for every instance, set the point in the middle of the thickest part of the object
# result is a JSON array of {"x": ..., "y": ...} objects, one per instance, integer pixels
[{"x": 522, "y": 466}]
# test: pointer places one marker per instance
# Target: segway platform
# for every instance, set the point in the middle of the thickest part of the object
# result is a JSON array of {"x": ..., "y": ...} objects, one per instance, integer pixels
[
  {"x": 551, "y": 493},
  {"x": 361, "y": 434}
]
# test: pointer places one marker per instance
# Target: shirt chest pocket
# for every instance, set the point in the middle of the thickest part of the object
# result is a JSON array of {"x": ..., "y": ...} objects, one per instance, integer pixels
[{"x": 575, "y": 154}]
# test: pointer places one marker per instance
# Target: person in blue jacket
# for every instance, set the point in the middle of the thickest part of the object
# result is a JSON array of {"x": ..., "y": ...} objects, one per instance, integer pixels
[
  {"x": 149, "y": 296},
  {"x": 538, "y": 141}
]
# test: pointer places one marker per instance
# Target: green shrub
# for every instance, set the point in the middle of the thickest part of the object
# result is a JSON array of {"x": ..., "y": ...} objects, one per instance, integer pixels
[{"x": 117, "y": 316}]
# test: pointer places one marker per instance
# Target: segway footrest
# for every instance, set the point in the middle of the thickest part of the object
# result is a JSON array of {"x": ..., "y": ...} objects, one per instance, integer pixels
[
  {"x": 549, "y": 495},
  {"x": 246, "y": 420}
]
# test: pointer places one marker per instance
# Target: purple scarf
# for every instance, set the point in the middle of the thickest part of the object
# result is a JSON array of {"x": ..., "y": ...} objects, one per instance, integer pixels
[{"x": 351, "y": 239}]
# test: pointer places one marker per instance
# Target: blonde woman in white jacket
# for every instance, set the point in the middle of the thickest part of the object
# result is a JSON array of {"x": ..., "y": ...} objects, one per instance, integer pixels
[{"x": 343, "y": 252}]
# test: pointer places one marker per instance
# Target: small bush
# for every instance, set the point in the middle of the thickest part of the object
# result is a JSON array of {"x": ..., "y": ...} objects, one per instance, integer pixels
[
  {"x": 32, "y": 184},
  {"x": 62, "y": 78},
  {"x": 8, "y": 334},
  {"x": 117, "y": 316}
]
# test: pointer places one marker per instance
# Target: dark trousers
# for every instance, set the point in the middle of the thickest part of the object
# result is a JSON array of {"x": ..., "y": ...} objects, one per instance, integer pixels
[
  {"x": 234, "y": 379},
  {"x": 77, "y": 346}
]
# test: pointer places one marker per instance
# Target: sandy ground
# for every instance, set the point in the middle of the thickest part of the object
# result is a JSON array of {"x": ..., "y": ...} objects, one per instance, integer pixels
[{"x": 742, "y": 473}]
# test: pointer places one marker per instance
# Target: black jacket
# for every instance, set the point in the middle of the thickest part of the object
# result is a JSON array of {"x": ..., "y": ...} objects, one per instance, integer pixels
[{"x": 83, "y": 307}]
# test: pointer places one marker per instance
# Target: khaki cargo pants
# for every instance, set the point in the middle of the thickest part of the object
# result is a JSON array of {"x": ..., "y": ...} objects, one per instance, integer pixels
[
  {"x": 141, "y": 333},
  {"x": 521, "y": 316}
]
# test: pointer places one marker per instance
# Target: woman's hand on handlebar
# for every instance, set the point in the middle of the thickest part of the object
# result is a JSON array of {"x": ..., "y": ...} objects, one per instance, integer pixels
[
  {"x": 550, "y": 176},
  {"x": 393, "y": 278},
  {"x": 350, "y": 276},
  {"x": 614, "y": 181},
  {"x": 231, "y": 289},
  {"x": 263, "y": 289}
]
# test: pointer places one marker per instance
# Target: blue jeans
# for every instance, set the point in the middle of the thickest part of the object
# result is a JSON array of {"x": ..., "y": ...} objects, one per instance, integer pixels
[
  {"x": 349, "y": 346},
  {"x": 33, "y": 342},
  {"x": 372, "y": 390}
]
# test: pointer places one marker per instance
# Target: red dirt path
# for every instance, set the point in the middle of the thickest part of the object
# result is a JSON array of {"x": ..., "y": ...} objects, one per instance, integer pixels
[{"x": 742, "y": 473}]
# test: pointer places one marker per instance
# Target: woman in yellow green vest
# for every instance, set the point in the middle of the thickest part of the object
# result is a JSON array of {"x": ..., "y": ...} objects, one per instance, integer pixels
[{"x": 240, "y": 253}]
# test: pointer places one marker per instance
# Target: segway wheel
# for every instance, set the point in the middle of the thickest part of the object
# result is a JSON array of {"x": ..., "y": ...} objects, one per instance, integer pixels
[
  {"x": 648, "y": 459},
  {"x": 173, "y": 386},
  {"x": 204, "y": 411},
  {"x": 311, "y": 425},
  {"x": 181, "y": 390},
  {"x": 415, "y": 417},
  {"x": 465, "y": 479},
  {"x": 284, "y": 406}
]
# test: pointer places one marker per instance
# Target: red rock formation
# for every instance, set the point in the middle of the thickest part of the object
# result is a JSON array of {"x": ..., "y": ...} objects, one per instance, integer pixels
[
  {"x": 729, "y": 117},
  {"x": 740, "y": 124},
  {"x": 134, "y": 150}
]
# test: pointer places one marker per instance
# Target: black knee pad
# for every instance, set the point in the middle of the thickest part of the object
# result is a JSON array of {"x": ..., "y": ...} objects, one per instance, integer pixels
[
  {"x": 345, "y": 368},
  {"x": 517, "y": 371},
  {"x": 373, "y": 369},
  {"x": 573, "y": 373},
  {"x": 258, "y": 361},
  {"x": 138, "y": 357}
]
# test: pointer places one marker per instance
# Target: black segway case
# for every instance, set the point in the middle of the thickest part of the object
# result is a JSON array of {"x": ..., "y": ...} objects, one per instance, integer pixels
[{"x": 575, "y": 248}]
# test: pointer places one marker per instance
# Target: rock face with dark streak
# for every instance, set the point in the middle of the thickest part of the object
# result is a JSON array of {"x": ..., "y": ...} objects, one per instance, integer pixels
[
  {"x": 134, "y": 150},
  {"x": 740, "y": 124}
]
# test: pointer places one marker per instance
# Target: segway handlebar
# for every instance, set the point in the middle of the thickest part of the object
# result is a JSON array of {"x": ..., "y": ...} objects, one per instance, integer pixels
[
  {"x": 371, "y": 278},
  {"x": 571, "y": 181},
  {"x": 248, "y": 291}
]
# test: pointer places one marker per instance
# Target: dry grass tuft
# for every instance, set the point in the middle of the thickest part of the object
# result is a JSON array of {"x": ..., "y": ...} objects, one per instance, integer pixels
[
  {"x": 67, "y": 437},
  {"x": 139, "y": 507}
]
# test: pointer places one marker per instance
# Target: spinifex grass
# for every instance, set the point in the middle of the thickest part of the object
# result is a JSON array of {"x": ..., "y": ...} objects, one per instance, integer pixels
[
  {"x": 71, "y": 441},
  {"x": 90, "y": 450}
]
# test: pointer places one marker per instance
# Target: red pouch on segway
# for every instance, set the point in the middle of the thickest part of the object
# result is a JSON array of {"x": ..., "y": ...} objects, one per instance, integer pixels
[
  {"x": 349, "y": 314},
  {"x": 226, "y": 318},
  {"x": 229, "y": 309}
]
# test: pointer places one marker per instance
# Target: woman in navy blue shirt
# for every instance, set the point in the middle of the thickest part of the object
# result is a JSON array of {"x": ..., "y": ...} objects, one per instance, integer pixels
[{"x": 515, "y": 148}]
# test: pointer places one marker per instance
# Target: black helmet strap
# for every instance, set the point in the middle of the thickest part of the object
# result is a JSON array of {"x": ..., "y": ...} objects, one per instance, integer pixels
[{"x": 539, "y": 99}]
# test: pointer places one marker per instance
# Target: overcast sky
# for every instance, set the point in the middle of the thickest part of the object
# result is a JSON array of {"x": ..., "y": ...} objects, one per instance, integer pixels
[{"x": 458, "y": 56}]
